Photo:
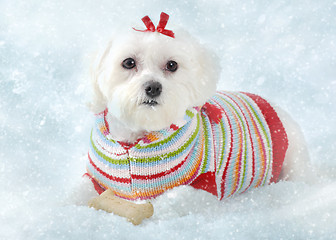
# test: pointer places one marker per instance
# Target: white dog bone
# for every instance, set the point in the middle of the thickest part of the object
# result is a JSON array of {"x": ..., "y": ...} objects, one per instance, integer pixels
[{"x": 134, "y": 213}]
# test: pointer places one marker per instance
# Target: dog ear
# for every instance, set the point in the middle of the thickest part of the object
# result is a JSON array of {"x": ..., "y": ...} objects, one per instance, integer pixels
[
  {"x": 206, "y": 68},
  {"x": 208, "y": 72},
  {"x": 98, "y": 103}
]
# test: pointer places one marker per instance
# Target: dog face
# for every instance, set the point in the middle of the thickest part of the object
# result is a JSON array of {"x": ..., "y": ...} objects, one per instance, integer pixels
[{"x": 148, "y": 80}]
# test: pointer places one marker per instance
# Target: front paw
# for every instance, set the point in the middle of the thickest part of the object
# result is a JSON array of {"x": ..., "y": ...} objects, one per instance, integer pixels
[{"x": 134, "y": 213}]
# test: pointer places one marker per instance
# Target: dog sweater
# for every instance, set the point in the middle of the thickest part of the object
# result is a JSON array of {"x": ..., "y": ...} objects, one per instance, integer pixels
[{"x": 233, "y": 143}]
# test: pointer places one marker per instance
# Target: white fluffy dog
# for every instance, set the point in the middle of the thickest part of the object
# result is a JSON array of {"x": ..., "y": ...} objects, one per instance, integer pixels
[{"x": 144, "y": 82}]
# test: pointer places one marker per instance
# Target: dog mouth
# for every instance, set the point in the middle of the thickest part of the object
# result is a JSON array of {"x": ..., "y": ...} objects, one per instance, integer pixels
[{"x": 150, "y": 102}]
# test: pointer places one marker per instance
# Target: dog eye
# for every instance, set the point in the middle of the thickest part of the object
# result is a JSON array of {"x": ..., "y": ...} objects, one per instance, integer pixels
[
  {"x": 171, "y": 66},
  {"x": 128, "y": 63}
]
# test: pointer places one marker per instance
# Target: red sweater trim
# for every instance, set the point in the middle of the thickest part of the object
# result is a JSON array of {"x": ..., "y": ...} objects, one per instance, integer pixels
[
  {"x": 206, "y": 182},
  {"x": 99, "y": 189}
]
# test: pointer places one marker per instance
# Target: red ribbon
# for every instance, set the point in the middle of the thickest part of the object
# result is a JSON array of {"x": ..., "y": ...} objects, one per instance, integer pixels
[{"x": 160, "y": 27}]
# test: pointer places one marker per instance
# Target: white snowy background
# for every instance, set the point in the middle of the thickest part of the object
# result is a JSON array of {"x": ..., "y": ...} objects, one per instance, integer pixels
[{"x": 283, "y": 50}]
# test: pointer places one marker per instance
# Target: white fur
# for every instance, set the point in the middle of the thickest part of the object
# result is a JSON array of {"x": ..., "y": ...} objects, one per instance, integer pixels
[
  {"x": 122, "y": 90},
  {"x": 296, "y": 166}
]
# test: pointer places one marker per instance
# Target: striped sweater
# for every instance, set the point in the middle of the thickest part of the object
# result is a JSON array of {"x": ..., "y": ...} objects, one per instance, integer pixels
[{"x": 233, "y": 143}]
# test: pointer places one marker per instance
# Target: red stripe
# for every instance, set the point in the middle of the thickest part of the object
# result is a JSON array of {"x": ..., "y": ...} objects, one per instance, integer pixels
[
  {"x": 116, "y": 179},
  {"x": 278, "y": 134},
  {"x": 127, "y": 146}
]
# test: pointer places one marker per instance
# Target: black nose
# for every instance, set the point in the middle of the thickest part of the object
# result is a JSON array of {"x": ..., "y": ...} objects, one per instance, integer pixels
[{"x": 153, "y": 89}]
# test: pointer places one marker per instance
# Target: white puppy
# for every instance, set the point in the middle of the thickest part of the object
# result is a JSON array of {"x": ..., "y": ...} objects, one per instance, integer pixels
[{"x": 144, "y": 82}]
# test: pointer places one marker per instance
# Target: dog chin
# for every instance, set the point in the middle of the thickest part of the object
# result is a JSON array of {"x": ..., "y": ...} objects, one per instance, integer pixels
[{"x": 151, "y": 115}]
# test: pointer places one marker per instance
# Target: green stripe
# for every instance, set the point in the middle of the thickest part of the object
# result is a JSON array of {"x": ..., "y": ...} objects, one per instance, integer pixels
[
  {"x": 153, "y": 145},
  {"x": 223, "y": 147},
  {"x": 189, "y": 114},
  {"x": 106, "y": 158},
  {"x": 170, "y": 154},
  {"x": 244, "y": 171},
  {"x": 206, "y": 144}
]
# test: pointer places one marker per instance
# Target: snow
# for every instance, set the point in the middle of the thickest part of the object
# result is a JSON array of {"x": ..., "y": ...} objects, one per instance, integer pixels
[{"x": 283, "y": 50}]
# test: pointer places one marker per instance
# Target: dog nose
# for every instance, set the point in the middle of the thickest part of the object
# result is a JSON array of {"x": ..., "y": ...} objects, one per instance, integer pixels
[{"x": 153, "y": 89}]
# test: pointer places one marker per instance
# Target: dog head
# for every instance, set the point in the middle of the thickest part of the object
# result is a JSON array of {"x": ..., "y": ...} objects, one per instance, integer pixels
[{"x": 147, "y": 80}]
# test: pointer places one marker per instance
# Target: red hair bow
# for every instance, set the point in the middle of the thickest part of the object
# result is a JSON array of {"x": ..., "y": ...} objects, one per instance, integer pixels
[{"x": 160, "y": 27}]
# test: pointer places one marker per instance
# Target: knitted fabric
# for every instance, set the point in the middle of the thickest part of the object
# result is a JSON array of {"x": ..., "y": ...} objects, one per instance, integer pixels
[{"x": 242, "y": 149}]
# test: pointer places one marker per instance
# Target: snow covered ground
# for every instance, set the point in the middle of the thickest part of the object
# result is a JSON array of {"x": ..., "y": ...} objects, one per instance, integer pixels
[{"x": 284, "y": 50}]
